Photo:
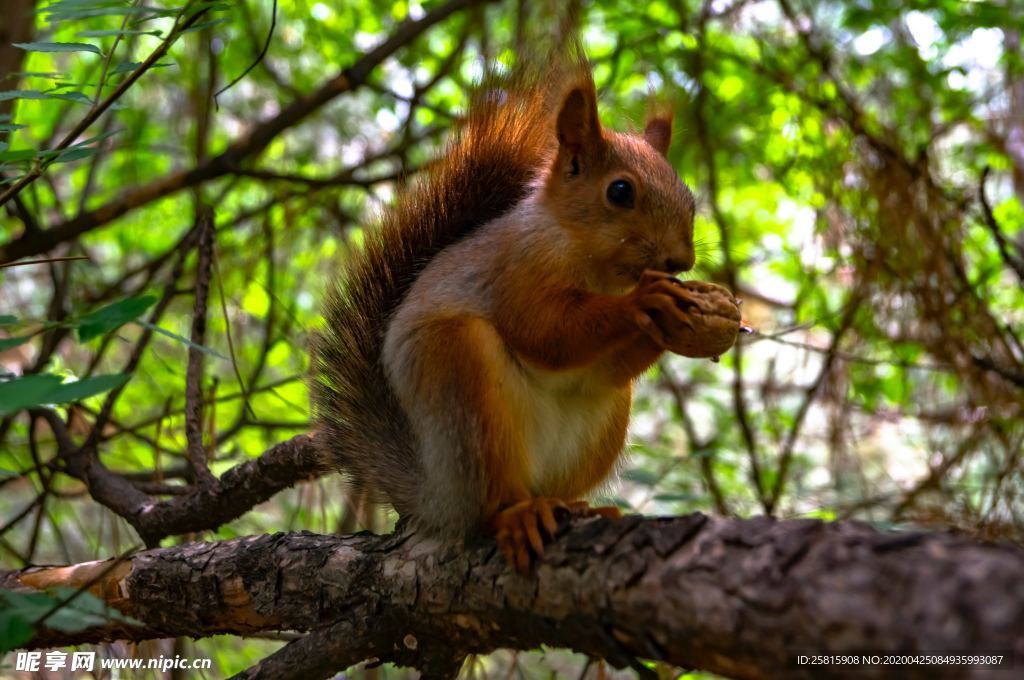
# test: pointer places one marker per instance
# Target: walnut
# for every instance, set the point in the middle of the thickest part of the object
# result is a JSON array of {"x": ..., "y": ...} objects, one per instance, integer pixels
[{"x": 715, "y": 315}]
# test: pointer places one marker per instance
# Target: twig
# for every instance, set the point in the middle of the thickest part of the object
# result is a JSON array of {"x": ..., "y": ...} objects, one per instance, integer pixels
[
  {"x": 707, "y": 469},
  {"x": 231, "y": 344},
  {"x": 704, "y": 141},
  {"x": 96, "y": 434},
  {"x": 193, "y": 376},
  {"x": 259, "y": 58},
  {"x": 44, "y": 261},
  {"x": 1015, "y": 262},
  {"x": 786, "y": 456}
]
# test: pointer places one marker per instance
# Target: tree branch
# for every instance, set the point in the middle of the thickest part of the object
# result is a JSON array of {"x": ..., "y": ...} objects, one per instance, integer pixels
[
  {"x": 194, "y": 372},
  {"x": 238, "y": 490},
  {"x": 737, "y": 597},
  {"x": 248, "y": 145}
]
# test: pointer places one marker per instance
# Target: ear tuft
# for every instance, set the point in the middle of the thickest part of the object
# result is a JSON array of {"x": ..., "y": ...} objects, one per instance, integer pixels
[
  {"x": 579, "y": 130},
  {"x": 658, "y": 133}
]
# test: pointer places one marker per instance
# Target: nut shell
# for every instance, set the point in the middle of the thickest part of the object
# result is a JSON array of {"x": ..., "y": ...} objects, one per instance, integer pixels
[{"x": 716, "y": 321}]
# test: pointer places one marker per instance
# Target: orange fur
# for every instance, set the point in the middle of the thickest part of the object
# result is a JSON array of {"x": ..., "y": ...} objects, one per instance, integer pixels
[{"x": 466, "y": 354}]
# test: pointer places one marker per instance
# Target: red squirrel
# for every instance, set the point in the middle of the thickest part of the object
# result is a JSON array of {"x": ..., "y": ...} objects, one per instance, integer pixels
[{"x": 476, "y": 366}]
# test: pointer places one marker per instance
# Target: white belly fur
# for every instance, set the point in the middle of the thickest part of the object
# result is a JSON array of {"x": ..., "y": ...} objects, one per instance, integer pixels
[{"x": 565, "y": 416}]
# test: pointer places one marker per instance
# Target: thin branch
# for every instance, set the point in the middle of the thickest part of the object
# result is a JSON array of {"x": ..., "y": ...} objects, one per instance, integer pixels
[
  {"x": 259, "y": 57},
  {"x": 44, "y": 260},
  {"x": 194, "y": 374},
  {"x": 246, "y": 407},
  {"x": 1014, "y": 261},
  {"x": 703, "y": 134}
]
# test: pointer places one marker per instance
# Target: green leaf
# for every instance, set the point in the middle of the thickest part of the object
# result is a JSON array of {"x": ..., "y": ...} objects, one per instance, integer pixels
[
  {"x": 87, "y": 603},
  {"x": 206, "y": 6},
  {"x": 76, "y": 154},
  {"x": 78, "y": 97},
  {"x": 181, "y": 339},
  {"x": 8, "y": 320},
  {"x": 113, "y": 316},
  {"x": 58, "y": 47},
  {"x": 9, "y": 343},
  {"x": 642, "y": 477},
  {"x": 125, "y": 67},
  {"x": 21, "y": 613},
  {"x": 11, "y": 127},
  {"x": 15, "y": 630},
  {"x": 35, "y": 390},
  {"x": 98, "y": 138},
  {"x": 676, "y": 497},
  {"x": 88, "y": 387},
  {"x": 129, "y": 66},
  {"x": 18, "y": 155},
  {"x": 8, "y": 474},
  {"x": 121, "y": 32},
  {"x": 72, "y": 9},
  {"x": 38, "y": 74},
  {"x": 26, "y": 392},
  {"x": 205, "y": 24}
]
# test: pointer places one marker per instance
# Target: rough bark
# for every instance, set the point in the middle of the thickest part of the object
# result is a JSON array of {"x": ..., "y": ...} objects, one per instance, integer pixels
[{"x": 738, "y": 597}]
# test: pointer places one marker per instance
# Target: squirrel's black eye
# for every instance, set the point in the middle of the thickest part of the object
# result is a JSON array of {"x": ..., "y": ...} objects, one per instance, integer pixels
[{"x": 620, "y": 193}]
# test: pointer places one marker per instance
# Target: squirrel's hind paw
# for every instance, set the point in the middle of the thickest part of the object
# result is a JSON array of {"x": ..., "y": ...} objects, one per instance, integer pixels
[
  {"x": 520, "y": 529},
  {"x": 584, "y": 509}
]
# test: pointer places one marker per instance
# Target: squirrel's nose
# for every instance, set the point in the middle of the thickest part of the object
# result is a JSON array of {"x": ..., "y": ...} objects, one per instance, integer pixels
[{"x": 674, "y": 265}]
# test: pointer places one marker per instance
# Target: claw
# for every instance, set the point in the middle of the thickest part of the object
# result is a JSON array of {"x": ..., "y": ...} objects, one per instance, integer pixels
[
  {"x": 585, "y": 509},
  {"x": 520, "y": 528}
]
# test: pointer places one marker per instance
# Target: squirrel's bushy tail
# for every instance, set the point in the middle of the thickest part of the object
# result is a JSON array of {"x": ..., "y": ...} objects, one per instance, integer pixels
[{"x": 495, "y": 154}]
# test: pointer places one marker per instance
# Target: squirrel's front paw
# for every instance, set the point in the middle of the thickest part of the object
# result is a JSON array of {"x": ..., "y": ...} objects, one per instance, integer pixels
[{"x": 691, "y": 318}]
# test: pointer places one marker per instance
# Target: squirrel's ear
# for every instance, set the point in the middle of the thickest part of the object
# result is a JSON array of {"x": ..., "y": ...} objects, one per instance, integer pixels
[
  {"x": 579, "y": 130},
  {"x": 658, "y": 133}
]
